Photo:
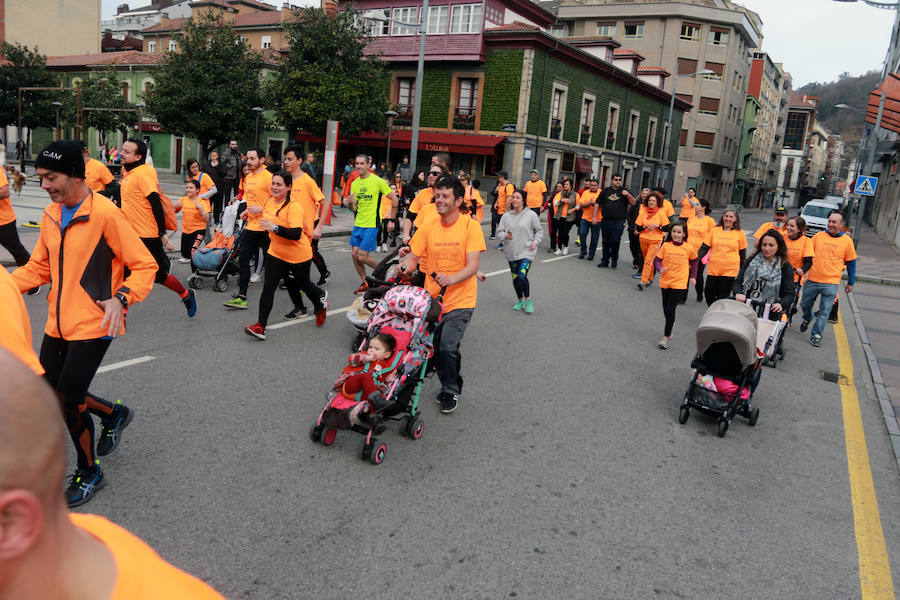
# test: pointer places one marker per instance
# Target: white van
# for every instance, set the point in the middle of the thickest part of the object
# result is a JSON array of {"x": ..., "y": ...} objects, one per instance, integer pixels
[{"x": 815, "y": 213}]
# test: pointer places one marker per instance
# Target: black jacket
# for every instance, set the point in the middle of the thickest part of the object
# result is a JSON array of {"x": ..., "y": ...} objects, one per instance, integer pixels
[{"x": 785, "y": 291}]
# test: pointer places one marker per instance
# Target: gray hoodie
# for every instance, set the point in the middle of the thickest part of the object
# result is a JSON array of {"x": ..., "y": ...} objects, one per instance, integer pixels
[{"x": 525, "y": 227}]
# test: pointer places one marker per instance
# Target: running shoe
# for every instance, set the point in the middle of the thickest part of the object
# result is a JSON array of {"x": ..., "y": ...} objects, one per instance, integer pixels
[
  {"x": 254, "y": 277},
  {"x": 529, "y": 308},
  {"x": 500, "y": 246},
  {"x": 577, "y": 242},
  {"x": 832, "y": 320},
  {"x": 362, "y": 289},
  {"x": 590, "y": 257},
  {"x": 581, "y": 257},
  {"x": 602, "y": 265},
  {"x": 492, "y": 237},
  {"x": 111, "y": 428},
  {"x": 518, "y": 305},
  {"x": 664, "y": 343},
  {"x": 566, "y": 251},
  {"x": 636, "y": 276},
  {"x": 184, "y": 260},
  {"x": 321, "y": 314},
  {"x": 699, "y": 298},
  {"x": 557, "y": 252},
  {"x": 649, "y": 283},
  {"x": 613, "y": 265},
  {"x": 34, "y": 291},
  {"x": 236, "y": 302},
  {"x": 323, "y": 278},
  {"x": 551, "y": 250},
  {"x": 323, "y": 296},
  {"x": 295, "y": 314},
  {"x": 640, "y": 285},
  {"x": 449, "y": 402},
  {"x": 816, "y": 340},
  {"x": 190, "y": 303},
  {"x": 83, "y": 484},
  {"x": 804, "y": 325},
  {"x": 256, "y": 330}
]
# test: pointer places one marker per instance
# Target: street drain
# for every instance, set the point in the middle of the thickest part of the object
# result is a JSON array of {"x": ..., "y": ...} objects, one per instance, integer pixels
[{"x": 833, "y": 377}]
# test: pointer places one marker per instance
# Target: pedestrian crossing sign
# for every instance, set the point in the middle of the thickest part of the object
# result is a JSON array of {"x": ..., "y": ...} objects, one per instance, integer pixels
[{"x": 865, "y": 185}]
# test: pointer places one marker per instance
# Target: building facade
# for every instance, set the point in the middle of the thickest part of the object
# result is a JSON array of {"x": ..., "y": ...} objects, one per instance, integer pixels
[
  {"x": 793, "y": 173},
  {"x": 767, "y": 86},
  {"x": 685, "y": 37},
  {"x": 69, "y": 27}
]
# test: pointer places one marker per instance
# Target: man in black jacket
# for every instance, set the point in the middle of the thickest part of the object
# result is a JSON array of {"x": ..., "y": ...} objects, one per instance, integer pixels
[{"x": 231, "y": 172}]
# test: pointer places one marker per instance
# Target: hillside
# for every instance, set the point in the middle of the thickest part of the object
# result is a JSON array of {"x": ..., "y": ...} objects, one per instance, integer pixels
[{"x": 852, "y": 91}]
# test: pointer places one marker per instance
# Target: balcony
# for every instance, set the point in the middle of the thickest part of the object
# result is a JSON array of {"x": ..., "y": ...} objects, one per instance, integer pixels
[
  {"x": 610, "y": 140},
  {"x": 649, "y": 149},
  {"x": 555, "y": 129},
  {"x": 632, "y": 142},
  {"x": 464, "y": 118},
  {"x": 585, "y": 137},
  {"x": 404, "y": 116}
]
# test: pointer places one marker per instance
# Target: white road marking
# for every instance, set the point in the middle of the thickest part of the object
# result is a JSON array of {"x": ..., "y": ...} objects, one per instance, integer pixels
[
  {"x": 125, "y": 363},
  {"x": 558, "y": 258},
  {"x": 500, "y": 272}
]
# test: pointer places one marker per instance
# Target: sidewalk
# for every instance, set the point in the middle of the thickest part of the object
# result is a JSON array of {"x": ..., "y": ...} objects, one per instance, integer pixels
[{"x": 879, "y": 260}]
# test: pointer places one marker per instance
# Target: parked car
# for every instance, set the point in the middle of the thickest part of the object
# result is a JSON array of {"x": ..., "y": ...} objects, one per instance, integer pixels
[{"x": 815, "y": 213}]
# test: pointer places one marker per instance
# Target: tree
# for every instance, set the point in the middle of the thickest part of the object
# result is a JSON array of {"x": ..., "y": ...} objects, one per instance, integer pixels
[
  {"x": 104, "y": 90},
  {"x": 328, "y": 76},
  {"x": 206, "y": 88},
  {"x": 24, "y": 67}
]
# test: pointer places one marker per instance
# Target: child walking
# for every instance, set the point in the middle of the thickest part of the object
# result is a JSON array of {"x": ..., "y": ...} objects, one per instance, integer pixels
[{"x": 676, "y": 262}]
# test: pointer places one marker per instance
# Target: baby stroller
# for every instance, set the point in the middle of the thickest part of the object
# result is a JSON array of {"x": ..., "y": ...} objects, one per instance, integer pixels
[
  {"x": 728, "y": 363},
  {"x": 218, "y": 258},
  {"x": 409, "y": 314}
]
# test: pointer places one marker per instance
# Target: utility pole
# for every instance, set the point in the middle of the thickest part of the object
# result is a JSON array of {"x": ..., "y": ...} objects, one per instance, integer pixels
[{"x": 870, "y": 163}]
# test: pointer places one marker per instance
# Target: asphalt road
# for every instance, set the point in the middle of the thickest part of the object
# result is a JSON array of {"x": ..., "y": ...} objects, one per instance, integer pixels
[{"x": 562, "y": 474}]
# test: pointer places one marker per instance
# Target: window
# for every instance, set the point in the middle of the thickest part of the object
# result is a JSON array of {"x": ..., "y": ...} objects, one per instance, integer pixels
[
  {"x": 606, "y": 29},
  {"x": 557, "y": 111},
  {"x": 406, "y": 15},
  {"x": 651, "y": 136},
  {"x": 559, "y": 30},
  {"x": 437, "y": 19},
  {"x": 172, "y": 45},
  {"x": 151, "y": 46},
  {"x": 717, "y": 70},
  {"x": 587, "y": 118},
  {"x": 125, "y": 87},
  {"x": 266, "y": 41},
  {"x": 718, "y": 36},
  {"x": 632, "y": 132},
  {"x": 493, "y": 16},
  {"x": 704, "y": 139},
  {"x": 465, "y": 18},
  {"x": 685, "y": 98},
  {"x": 634, "y": 31},
  {"x": 406, "y": 89},
  {"x": 466, "y": 104},
  {"x": 690, "y": 32},
  {"x": 709, "y": 106},
  {"x": 612, "y": 125},
  {"x": 375, "y": 26},
  {"x": 686, "y": 66},
  {"x": 682, "y": 140}
]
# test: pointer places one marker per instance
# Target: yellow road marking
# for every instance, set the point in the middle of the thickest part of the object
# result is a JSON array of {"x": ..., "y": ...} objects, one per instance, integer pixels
[{"x": 874, "y": 569}]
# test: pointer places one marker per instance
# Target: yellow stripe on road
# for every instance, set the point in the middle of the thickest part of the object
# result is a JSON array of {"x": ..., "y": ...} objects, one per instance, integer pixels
[{"x": 874, "y": 569}]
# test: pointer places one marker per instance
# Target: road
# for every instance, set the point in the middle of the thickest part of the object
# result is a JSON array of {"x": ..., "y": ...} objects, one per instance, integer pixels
[{"x": 562, "y": 474}]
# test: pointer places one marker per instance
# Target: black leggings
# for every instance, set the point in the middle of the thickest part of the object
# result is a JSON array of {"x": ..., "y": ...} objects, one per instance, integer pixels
[
  {"x": 191, "y": 241},
  {"x": 296, "y": 278},
  {"x": 519, "y": 269},
  {"x": 9, "y": 239},
  {"x": 317, "y": 258},
  {"x": 718, "y": 288},
  {"x": 562, "y": 233},
  {"x": 698, "y": 287},
  {"x": 70, "y": 367},
  {"x": 671, "y": 298},
  {"x": 495, "y": 220}
]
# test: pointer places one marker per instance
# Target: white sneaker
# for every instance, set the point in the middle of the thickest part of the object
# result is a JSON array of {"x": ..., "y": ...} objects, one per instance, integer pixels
[
  {"x": 557, "y": 252},
  {"x": 565, "y": 251},
  {"x": 384, "y": 248},
  {"x": 184, "y": 260},
  {"x": 254, "y": 277}
]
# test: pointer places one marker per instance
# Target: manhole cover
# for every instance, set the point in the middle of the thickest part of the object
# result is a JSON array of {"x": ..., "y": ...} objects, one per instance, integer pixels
[{"x": 833, "y": 377}]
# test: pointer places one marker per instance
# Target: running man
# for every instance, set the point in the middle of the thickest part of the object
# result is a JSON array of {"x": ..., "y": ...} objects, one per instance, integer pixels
[
  {"x": 305, "y": 190},
  {"x": 450, "y": 248},
  {"x": 143, "y": 208},
  {"x": 100, "y": 246},
  {"x": 368, "y": 193},
  {"x": 613, "y": 202},
  {"x": 49, "y": 552},
  {"x": 255, "y": 186}
]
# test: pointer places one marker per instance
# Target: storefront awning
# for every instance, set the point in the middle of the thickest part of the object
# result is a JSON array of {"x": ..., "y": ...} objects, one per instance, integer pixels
[
  {"x": 429, "y": 141},
  {"x": 583, "y": 165}
]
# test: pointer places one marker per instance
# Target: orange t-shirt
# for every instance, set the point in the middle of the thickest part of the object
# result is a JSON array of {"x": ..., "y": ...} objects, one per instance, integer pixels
[
  {"x": 698, "y": 228},
  {"x": 767, "y": 226},
  {"x": 724, "y": 251},
  {"x": 443, "y": 249},
  {"x": 687, "y": 209},
  {"x": 830, "y": 255},
  {"x": 288, "y": 217},
  {"x": 676, "y": 259},
  {"x": 587, "y": 213},
  {"x": 644, "y": 219},
  {"x": 191, "y": 218},
  {"x": 534, "y": 193},
  {"x": 15, "y": 335},
  {"x": 423, "y": 198},
  {"x": 7, "y": 214},
  {"x": 797, "y": 250},
  {"x": 305, "y": 191},
  {"x": 257, "y": 189},
  {"x": 96, "y": 175},
  {"x": 668, "y": 208},
  {"x": 473, "y": 194},
  {"x": 137, "y": 184},
  {"x": 426, "y": 215},
  {"x": 503, "y": 192},
  {"x": 141, "y": 574}
]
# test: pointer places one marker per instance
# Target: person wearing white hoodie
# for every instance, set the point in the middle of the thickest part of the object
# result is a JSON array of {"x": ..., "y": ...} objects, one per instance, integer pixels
[{"x": 520, "y": 230}]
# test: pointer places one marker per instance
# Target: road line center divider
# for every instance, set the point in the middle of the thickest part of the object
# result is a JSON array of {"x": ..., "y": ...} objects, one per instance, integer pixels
[{"x": 125, "y": 363}]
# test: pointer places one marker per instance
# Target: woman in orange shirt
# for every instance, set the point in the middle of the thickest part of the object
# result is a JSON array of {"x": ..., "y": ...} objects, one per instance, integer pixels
[
  {"x": 799, "y": 247},
  {"x": 726, "y": 246},
  {"x": 564, "y": 211},
  {"x": 698, "y": 227},
  {"x": 676, "y": 261},
  {"x": 290, "y": 255},
  {"x": 194, "y": 219},
  {"x": 652, "y": 224}
]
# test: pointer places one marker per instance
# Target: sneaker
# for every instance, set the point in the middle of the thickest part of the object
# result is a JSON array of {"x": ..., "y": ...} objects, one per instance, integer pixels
[
  {"x": 323, "y": 279},
  {"x": 663, "y": 343},
  {"x": 500, "y": 246},
  {"x": 602, "y": 265},
  {"x": 321, "y": 314},
  {"x": 551, "y": 250},
  {"x": 590, "y": 257},
  {"x": 111, "y": 429},
  {"x": 34, "y": 291},
  {"x": 323, "y": 296},
  {"x": 384, "y": 247},
  {"x": 529, "y": 308},
  {"x": 449, "y": 402},
  {"x": 362, "y": 289},
  {"x": 236, "y": 302},
  {"x": 295, "y": 314},
  {"x": 492, "y": 237},
  {"x": 833, "y": 320},
  {"x": 577, "y": 242},
  {"x": 636, "y": 276},
  {"x": 557, "y": 252},
  {"x": 804, "y": 325},
  {"x": 83, "y": 484},
  {"x": 254, "y": 277},
  {"x": 699, "y": 298},
  {"x": 581, "y": 257},
  {"x": 649, "y": 283},
  {"x": 640, "y": 285},
  {"x": 566, "y": 251},
  {"x": 184, "y": 260},
  {"x": 518, "y": 305},
  {"x": 190, "y": 303},
  {"x": 816, "y": 340},
  {"x": 613, "y": 265},
  {"x": 256, "y": 330}
]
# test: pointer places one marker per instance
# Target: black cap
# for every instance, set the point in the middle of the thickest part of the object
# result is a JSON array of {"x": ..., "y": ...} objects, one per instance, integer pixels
[
  {"x": 780, "y": 209},
  {"x": 63, "y": 156},
  {"x": 503, "y": 174},
  {"x": 591, "y": 178},
  {"x": 82, "y": 144}
]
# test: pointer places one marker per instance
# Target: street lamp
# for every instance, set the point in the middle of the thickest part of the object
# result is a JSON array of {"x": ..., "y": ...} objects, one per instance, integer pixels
[
  {"x": 420, "y": 68},
  {"x": 390, "y": 114},
  {"x": 57, "y": 104},
  {"x": 258, "y": 110},
  {"x": 668, "y": 136}
]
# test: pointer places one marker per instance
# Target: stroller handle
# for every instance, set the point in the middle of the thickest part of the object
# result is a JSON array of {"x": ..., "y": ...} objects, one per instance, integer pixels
[
  {"x": 373, "y": 282},
  {"x": 443, "y": 291}
]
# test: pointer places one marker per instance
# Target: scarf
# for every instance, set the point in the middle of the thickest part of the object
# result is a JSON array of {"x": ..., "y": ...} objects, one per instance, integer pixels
[
  {"x": 762, "y": 280},
  {"x": 651, "y": 211}
]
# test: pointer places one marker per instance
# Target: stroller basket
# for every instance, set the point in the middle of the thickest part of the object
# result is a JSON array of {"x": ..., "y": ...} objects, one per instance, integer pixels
[{"x": 706, "y": 398}]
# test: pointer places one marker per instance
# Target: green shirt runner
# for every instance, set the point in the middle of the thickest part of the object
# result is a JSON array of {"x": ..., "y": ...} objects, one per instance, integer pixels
[{"x": 366, "y": 191}]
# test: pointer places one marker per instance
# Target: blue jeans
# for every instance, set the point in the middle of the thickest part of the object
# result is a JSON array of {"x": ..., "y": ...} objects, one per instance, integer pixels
[
  {"x": 583, "y": 229},
  {"x": 828, "y": 292}
]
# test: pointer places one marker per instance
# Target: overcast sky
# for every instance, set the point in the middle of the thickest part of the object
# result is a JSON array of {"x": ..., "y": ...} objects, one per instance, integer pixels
[{"x": 817, "y": 40}]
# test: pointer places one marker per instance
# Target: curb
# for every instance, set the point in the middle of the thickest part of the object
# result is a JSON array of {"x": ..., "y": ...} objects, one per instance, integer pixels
[
  {"x": 875, "y": 280},
  {"x": 887, "y": 409}
]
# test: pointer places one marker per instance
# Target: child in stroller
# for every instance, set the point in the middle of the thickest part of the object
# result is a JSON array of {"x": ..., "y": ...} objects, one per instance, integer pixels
[{"x": 368, "y": 373}]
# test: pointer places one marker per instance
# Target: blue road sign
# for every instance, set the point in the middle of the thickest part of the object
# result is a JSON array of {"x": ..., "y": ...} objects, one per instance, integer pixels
[{"x": 865, "y": 185}]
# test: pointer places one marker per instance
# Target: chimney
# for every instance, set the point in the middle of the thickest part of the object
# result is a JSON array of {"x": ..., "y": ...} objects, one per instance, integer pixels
[{"x": 121, "y": 8}]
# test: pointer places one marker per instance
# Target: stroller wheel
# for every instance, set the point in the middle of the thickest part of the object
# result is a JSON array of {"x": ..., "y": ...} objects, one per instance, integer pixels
[
  {"x": 414, "y": 427},
  {"x": 315, "y": 433},
  {"x": 684, "y": 414},
  {"x": 195, "y": 283},
  {"x": 329, "y": 435},
  {"x": 220, "y": 285},
  {"x": 376, "y": 454},
  {"x": 754, "y": 416},
  {"x": 723, "y": 428}
]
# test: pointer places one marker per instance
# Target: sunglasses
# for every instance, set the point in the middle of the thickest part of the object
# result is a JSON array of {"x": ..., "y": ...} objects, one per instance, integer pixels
[{"x": 436, "y": 173}]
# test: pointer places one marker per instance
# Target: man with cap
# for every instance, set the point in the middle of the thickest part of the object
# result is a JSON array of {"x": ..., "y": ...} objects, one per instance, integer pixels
[
  {"x": 96, "y": 175},
  {"x": 779, "y": 224},
  {"x": 89, "y": 293},
  {"x": 590, "y": 218},
  {"x": 535, "y": 191}
]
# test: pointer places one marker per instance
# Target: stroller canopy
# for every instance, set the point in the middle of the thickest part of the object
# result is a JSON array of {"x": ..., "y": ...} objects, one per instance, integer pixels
[{"x": 730, "y": 322}]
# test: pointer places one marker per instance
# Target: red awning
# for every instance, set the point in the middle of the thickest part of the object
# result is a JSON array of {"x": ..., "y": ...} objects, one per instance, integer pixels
[
  {"x": 429, "y": 141},
  {"x": 583, "y": 165}
]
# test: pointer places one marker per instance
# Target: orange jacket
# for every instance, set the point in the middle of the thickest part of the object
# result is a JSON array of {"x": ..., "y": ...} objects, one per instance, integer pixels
[{"x": 85, "y": 262}]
